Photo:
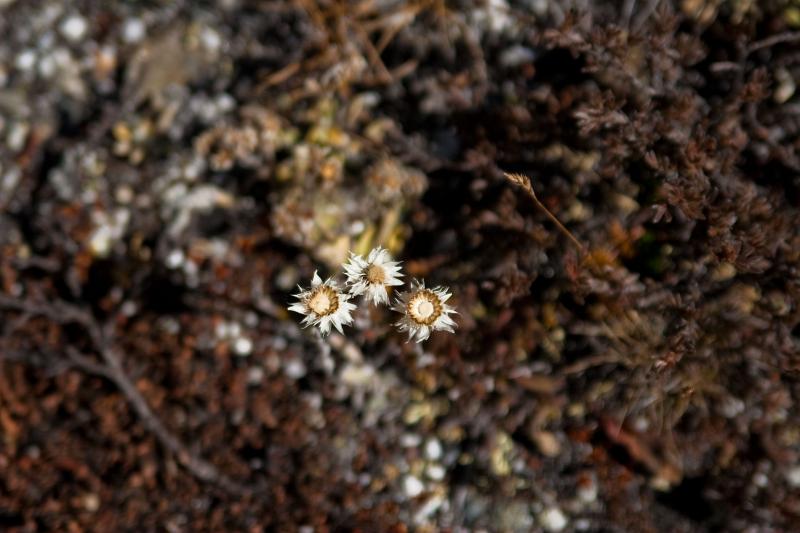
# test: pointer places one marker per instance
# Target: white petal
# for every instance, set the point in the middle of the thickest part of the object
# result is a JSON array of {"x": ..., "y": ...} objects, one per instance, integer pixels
[
  {"x": 358, "y": 288},
  {"x": 325, "y": 325},
  {"x": 423, "y": 333},
  {"x": 444, "y": 323},
  {"x": 383, "y": 257},
  {"x": 378, "y": 294},
  {"x": 355, "y": 264},
  {"x": 298, "y": 308},
  {"x": 393, "y": 269},
  {"x": 393, "y": 282},
  {"x": 373, "y": 254},
  {"x": 400, "y": 303},
  {"x": 442, "y": 294},
  {"x": 316, "y": 280}
]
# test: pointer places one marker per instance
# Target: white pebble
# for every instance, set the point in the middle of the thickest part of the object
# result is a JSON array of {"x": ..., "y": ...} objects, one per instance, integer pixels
[
  {"x": 255, "y": 375},
  {"x": 760, "y": 480},
  {"x": 412, "y": 486},
  {"x": 210, "y": 39},
  {"x": 553, "y": 519},
  {"x": 732, "y": 407},
  {"x": 251, "y": 319},
  {"x": 280, "y": 343},
  {"x": 175, "y": 259},
  {"x": 433, "y": 449},
  {"x": 190, "y": 271},
  {"x": 410, "y": 440},
  {"x": 295, "y": 369},
  {"x": 91, "y": 502},
  {"x": 74, "y": 27},
  {"x": 517, "y": 55},
  {"x": 193, "y": 169},
  {"x": 128, "y": 308},
  {"x": 25, "y": 60},
  {"x": 221, "y": 330},
  {"x": 243, "y": 346},
  {"x": 357, "y": 375},
  {"x": 101, "y": 240},
  {"x": 17, "y": 135},
  {"x": 793, "y": 477},
  {"x": 169, "y": 325},
  {"x": 124, "y": 194},
  {"x": 47, "y": 67},
  {"x": 133, "y": 31},
  {"x": 10, "y": 179},
  {"x": 588, "y": 493},
  {"x": 435, "y": 471},
  {"x": 539, "y": 7},
  {"x": 225, "y": 102}
]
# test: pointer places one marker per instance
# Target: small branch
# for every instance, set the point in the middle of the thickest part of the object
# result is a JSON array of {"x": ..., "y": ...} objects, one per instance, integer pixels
[
  {"x": 627, "y": 13},
  {"x": 520, "y": 180},
  {"x": 643, "y": 15},
  {"x": 786, "y": 37},
  {"x": 582, "y": 365},
  {"x": 112, "y": 369}
]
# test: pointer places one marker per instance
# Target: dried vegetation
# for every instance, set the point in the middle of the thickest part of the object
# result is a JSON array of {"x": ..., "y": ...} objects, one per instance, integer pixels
[{"x": 169, "y": 171}]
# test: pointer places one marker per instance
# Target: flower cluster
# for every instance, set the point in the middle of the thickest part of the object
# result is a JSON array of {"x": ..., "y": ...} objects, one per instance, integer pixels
[{"x": 327, "y": 304}]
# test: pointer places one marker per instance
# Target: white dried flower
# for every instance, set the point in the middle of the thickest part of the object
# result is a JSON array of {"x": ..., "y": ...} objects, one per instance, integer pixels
[
  {"x": 373, "y": 275},
  {"x": 323, "y": 305},
  {"x": 424, "y": 311}
]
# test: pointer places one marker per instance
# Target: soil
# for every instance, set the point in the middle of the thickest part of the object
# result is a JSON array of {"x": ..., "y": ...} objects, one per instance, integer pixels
[{"x": 609, "y": 190}]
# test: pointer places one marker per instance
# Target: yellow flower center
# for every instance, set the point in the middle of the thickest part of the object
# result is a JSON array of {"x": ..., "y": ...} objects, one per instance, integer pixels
[
  {"x": 376, "y": 275},
  {"x": 323, "y": 301},
  {"x": 424, "y": 307}
]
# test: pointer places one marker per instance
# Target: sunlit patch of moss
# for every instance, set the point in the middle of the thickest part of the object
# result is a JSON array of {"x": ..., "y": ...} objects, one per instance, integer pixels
[{"x": 792, "y": 15}]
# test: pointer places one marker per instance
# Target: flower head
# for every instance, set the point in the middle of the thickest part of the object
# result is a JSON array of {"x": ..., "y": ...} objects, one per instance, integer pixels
[
  {"x": 424, "y": 311},
  {"x": 371, "y": 276},
  {"x": 323, "y": 305}
]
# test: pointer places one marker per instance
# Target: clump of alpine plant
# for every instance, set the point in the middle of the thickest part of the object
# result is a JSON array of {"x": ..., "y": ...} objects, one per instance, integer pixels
[
  {"x": 424, "y": 311},
  {"x": 372, "y": 276},
  {"x": 324, "y": 305}
]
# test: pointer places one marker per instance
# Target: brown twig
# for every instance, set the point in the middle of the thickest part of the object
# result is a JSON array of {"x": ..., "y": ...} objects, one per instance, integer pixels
[
  {"x": 111, "y": 368},
  {"x": 786, "y": 37},
  {"x": 374, "y": 57},
  {"x": 644, "y": 14},
  {"x": 520, "y": 180},
  {"x": 581, "y": 366}
]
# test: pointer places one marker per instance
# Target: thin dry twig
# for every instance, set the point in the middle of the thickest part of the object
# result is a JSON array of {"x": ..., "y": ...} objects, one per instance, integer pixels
[
  {"x": 524, "y": 182},
  {"x": 644, "y": 13},
  {"x": 787, "y": 37},
  {"x": 627, "y": 13},
  {"x": 373, "y": 55},
  {"x": 112, "y": 369},
  {"x": 583, "y": 365}
]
